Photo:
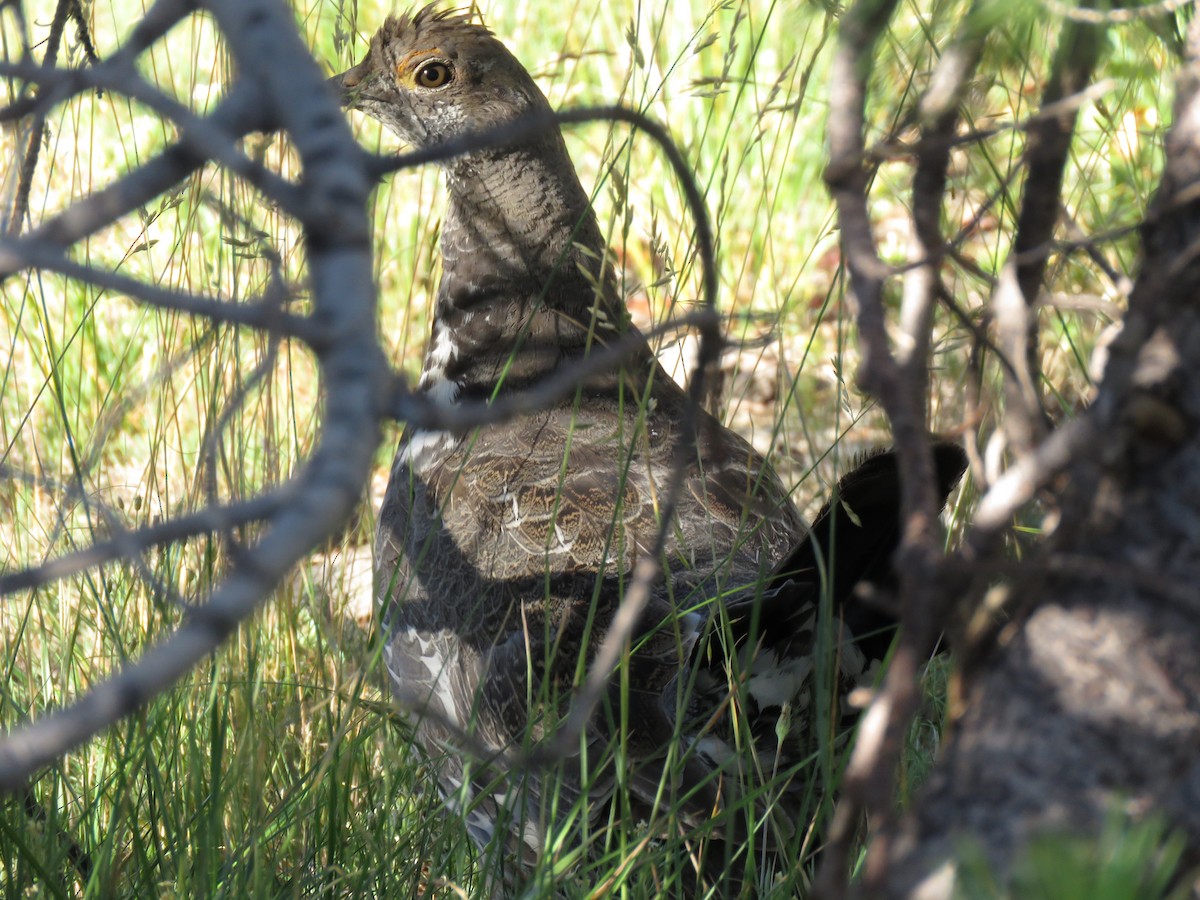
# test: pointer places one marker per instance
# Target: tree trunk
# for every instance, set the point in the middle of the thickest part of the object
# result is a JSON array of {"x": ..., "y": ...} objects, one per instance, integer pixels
[{"x": 1089, "y": 700}]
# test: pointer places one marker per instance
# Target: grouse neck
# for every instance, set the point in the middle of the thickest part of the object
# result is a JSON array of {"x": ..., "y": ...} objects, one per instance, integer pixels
[{"x": 525, "y": 282}]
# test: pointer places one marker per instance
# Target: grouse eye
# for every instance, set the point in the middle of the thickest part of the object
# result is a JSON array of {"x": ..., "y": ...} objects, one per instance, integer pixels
[{"x": 434, "y": 74}]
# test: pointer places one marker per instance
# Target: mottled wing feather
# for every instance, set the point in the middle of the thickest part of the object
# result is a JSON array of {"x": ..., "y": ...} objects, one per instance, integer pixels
[{"x": 533, "y": 534}]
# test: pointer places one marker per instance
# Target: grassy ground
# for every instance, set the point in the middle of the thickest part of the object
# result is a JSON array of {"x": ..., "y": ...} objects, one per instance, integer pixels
[{"x": 278, "y": 769}]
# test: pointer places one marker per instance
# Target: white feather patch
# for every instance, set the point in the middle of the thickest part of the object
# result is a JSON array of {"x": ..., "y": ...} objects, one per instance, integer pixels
[
  {"x": 422, "y": 449},
  {"x": 774, "y": 681},
  {"x": 435, "y": 664},
  {"x": 441, "y": 352}
]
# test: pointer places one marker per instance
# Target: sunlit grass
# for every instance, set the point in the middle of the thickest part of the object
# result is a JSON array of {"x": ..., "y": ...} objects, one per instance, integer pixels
[{"x": 278, "y": 768}]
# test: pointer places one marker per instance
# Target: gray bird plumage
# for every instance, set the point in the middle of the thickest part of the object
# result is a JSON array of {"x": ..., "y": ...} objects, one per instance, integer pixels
[{"x": 504, "y": 554}]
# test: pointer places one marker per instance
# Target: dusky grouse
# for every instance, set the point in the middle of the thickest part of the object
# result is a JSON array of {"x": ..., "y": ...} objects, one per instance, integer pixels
[{"x": 503, "y": 554}]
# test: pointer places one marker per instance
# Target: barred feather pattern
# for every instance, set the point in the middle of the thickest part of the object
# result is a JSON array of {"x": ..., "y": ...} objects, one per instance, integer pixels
[{"x": 504, "y": 553}]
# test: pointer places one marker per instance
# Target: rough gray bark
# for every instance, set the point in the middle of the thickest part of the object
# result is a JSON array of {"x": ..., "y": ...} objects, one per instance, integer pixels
[{"x": 1090, "y": 700}]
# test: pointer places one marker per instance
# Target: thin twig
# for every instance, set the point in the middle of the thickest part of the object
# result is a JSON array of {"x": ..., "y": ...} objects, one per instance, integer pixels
[
  {"x": 649, "y": 567},
  {"x": 847, "y": 179},
  {"x": 151, "y": 25},
  {"x": 536, "y": 123},
  {"x": 891, "y": 149},
  {"x": 37, "y": 131},
  {"x": 237, "y": 115},
  {"x": 419, "y": 410},
  {"x": 1119, "y": 16},
  {"x": 263, "y": 314},
  {"x": 212, "y": 440},
  {"x": 939, "y": 113},
  {"x": 84, "y": 34},
  {"x": 263, "y": 40},
  {"x": 138, "y": 540},
  {"x": 1046, "y": 153},
  {"x": 203, "y": 133},
  {"x": 1018, "y": 485}
]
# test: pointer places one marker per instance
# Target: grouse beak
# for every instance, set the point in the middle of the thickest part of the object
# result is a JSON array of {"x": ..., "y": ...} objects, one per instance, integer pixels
[
  {"x": 364, "y": 88},
  {"x": 349, "y": 84}
]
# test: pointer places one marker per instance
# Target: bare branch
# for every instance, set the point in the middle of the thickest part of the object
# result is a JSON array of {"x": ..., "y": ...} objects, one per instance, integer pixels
[
  {"x": 939, "y": 113},
  {"x": 154, "y": 23},
  {"x": 1089, "y": 702},
  {"x": 264, "y": 314},
  {"x": 536, "y": 123},
  {"x": 1029, "y": 474},
  {"x": 37, "y": 130},
  {"x": 870, "y": 773},
  {"x": 201, "y": 132},
  {"x": 423, "y": 412},
  {"x": 1119, "y": 16},
  {"x": 1017, "y": 335},
  {"x": 238, "y": 114},
  {"x": 1046, "y": 154},
  {"x": 212, "y": 440},
  {"x": 649, "y": 567},
  {"x": 180, "y": 528},
  {"x": 892, "y": 149},
  {"x": 264, "y": 42},
  {"x": 847, "y": 179},
  {"x": 59, "y": 85}
]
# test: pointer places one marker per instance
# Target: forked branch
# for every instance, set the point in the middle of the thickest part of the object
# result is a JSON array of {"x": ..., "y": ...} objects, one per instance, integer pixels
[{"x": 278, "y": 86}]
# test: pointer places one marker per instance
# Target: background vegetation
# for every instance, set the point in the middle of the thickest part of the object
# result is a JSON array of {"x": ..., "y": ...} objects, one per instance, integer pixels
[{"x": 278, "y": 769}]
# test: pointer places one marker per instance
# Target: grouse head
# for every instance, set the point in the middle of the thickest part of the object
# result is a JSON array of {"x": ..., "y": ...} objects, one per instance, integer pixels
[
  {"x": 527, "y": 279},
  {"x": 433, "y": 76}
]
